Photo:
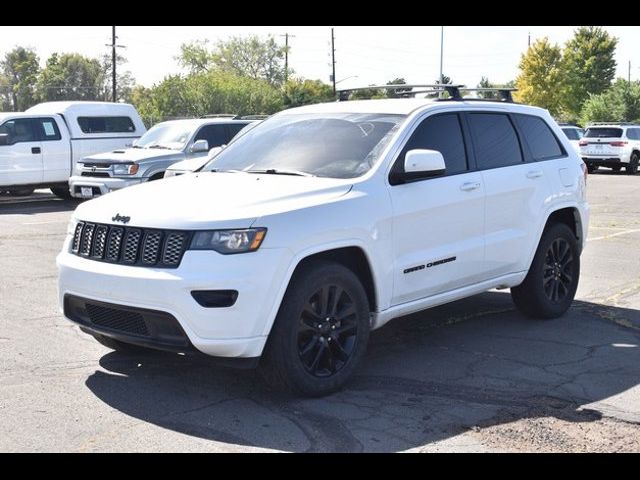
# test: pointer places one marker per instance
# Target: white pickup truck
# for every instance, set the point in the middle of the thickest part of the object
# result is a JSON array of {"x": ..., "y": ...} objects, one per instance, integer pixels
[{"x": 39, "y": 148}]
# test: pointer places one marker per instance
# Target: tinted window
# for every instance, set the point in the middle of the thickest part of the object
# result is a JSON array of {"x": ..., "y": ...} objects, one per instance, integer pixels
[
  {"x": 18, "y": 131},
  {"x": 444, "y": 134},
  {"x": 216, "y": 135},
  {"x": 106, "y": 124},
  {"x": 234, "y": 128},
  {"x": 539, "y": 137},
  {"x": 633, "y": 133},
  {"x": 599, "y": 132},
  {"x": 495, "y": 140},
  {"x": 47, "y": 129},
  {"x": 572, "y": 133}
]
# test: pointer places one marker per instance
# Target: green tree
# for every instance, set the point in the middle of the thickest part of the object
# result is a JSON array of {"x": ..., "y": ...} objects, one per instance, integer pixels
[
  {"x": 19, "y": 70},
  {"x": 5, "y": 93},
  {"x": 124, "y": 80},
  {"x": 589, "y": 66},
  {"x": 297, "y": 92},
  {"x": 242, "y": 56},
  {"x": 540, "y": 79},
  {"x": 397, "y": 92},
  {"x": 485, "y": 83},
  {"x": 71, "y": 76},
  {"x": 620, "y": 103}
]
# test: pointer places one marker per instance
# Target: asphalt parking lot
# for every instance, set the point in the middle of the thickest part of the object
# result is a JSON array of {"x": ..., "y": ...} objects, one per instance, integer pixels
[{"x": 470, "y": 376}]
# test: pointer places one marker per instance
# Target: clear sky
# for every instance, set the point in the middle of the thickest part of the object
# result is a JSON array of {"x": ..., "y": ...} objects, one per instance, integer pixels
[{"x": 370, "y": 54}]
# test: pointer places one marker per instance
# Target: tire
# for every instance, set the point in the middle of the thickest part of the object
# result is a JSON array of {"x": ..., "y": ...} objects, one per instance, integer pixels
[
  {"x": 616, "y": 169},
  {"x": 21, "y": 192},
  {"x": 591, "y": 168},
  {"x": 119, "y": 346},
  {"x": 61, "y": 192},
  {"x": 550, "y": 286},
  {"x": 632, "y": 168},
  {"x": 315, "y": 345}
]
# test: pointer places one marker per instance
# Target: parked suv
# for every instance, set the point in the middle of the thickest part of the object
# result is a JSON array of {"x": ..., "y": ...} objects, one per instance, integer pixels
[
  {"x": 162, "y": 146},
  {"x": 574, "y": 133},
  {"x": 611, "y": 145},
  {"x": 325, "y": 222}
]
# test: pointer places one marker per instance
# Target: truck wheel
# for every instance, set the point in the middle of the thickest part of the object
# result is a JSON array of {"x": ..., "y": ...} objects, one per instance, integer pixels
[
  {"x": 321, "y": 332},
  {"x": 62, "y": 192},
  {"x": 552, "y": 281},
  {"x": 118, "y": 346},
  {"x": 21, "y": 192},
  {"x": 632, "y": 168},
  {"x": 591, "y": 168}
]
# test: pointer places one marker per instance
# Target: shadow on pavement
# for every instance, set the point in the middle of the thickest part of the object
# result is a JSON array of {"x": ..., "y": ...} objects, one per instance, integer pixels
[
  {"x": 427, "y": 377},
  {"x": 28, "y": 206}
]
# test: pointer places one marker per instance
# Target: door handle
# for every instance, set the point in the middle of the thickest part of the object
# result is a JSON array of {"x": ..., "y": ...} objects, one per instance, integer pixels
[
  {"x": 535, "y": 174},
  {"x": 470, "y": 186},
  {"x": 35, "y": 150}
]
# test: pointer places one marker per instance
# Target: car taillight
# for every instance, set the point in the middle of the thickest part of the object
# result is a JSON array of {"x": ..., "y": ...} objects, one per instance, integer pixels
[
  {"x": 583, "y": 144},
  {"x": 618, "y": 144}
]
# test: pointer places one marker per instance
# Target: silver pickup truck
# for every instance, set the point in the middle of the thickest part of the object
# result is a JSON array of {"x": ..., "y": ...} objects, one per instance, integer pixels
[{"x": 163, "y": 145}]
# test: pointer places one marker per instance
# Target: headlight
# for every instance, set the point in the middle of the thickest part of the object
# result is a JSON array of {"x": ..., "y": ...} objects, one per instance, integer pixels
[
  {"x": 126, "y": 169},
  {"x": 229, "y": 241}
]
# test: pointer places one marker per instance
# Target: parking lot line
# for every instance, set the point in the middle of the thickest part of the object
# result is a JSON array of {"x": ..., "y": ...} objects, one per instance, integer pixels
[{"x": 611, "y": 235}]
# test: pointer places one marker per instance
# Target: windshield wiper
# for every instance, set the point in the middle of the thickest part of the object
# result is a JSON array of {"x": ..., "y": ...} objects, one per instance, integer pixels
[
  {"x": 137, "y": 146},
  {"x": 162, "y": 147},
  {"x": 273, "y": 171}
]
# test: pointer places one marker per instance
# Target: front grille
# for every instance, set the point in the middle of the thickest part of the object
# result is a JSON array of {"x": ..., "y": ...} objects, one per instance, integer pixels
[
  {"x": 95, "y": 174},
  {"x": 130, "y": 245},
  {"x": 120, "y": 320}
]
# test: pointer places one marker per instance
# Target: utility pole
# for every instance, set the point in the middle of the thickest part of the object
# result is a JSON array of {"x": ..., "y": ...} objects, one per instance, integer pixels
[
  {"x": 441, "y": 57},
  {"x": 333, "y": 60},
  {"x": 113, "y": 45},
  {"x": 529, "y": 40},
  {"x": 629, "y": 72},
  {"x": 286, "y": 55}
]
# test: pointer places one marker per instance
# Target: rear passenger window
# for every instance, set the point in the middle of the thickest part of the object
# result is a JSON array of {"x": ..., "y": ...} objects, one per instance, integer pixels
[
  {"x": 542, "y": 143},
  {"x": 106, "y": 125},
  {"x": 443, "y": 134},
  {"x": 47, "y": 129},
  {"x": 633, "y": 134},
  {"x": 215, "y": 135},
  {"x": 234, "y": 129},
  {"x": 495, "y": 140}
]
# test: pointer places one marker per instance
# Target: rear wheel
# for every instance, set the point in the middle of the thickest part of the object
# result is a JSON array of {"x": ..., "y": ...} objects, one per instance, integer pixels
[
  {"x": 632, "y": 168},
  {"x": 550, "y": 286},
  {"x": 119, "y": 346},
  {"x": 21, "y": 192},
  {"x": 616, "y": 168},
  {"x": 62, "y": 192},
  {"x": 321, "y": 332}
]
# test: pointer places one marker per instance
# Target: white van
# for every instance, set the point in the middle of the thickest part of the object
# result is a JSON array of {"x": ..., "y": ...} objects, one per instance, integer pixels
[{"x": 40, "y": 148}]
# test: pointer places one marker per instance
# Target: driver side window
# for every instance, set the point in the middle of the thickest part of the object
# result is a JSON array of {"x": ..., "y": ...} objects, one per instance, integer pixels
[
  {"x": 442, "y": 133},
  {"x": 18, "y": 131}
]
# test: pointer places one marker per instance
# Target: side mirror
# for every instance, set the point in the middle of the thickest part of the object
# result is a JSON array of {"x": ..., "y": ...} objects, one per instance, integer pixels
[
  {"x": 419, "y": 164},
  {"x": 199, "y": 146},
  {"x": 4, "y": 139}
]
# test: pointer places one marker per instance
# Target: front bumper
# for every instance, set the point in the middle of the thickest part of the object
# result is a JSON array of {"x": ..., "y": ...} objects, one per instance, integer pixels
[
  {"x": 99, "y": 185},
  {"x": 237, "y": 331}
]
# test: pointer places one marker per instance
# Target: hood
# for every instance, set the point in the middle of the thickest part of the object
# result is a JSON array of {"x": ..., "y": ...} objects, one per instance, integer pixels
[
  {"x": 129, "y": 155},
  {"x": 211, "y": 200},
  {"x": 190, "y": 164}
]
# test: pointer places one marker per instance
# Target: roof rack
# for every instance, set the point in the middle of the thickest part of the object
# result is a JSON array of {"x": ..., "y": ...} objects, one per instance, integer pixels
[
  {"x": 454, "y": 91},
  {"x": 591, "y": 124},
  {"x": 251, "y": 117},
  {"x": 219, "y": 115}
]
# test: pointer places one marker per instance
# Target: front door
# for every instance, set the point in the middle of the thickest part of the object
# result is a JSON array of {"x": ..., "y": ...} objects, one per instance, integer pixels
[
  {"x": 21, "y": 158},
  {"x": 438, "y": 223}
]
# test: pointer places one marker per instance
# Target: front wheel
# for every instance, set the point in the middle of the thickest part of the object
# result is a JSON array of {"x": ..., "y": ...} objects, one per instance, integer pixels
[
  {"x": 550, "y": 286},
  {"x": 632, "y": 168},
  {"x": 321, "y": 332},
  {"x": 61, "y": 192}
]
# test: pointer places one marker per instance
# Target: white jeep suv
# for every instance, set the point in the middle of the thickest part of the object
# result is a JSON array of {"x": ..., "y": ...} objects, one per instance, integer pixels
[
  {"x": 611, "y": 145},
  {"x": 325, "y": 222}
]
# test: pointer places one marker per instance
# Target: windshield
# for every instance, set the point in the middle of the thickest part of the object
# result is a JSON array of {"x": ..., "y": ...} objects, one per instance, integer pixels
[
  {"x": 573, "y": 133},
  {"x": 603, "y": 133},
  {"x": 338, "y": 145},
  {"x": 172, "y": 136}
]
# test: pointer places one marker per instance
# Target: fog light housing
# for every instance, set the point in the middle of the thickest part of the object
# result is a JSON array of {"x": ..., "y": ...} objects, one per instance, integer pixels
[{"x": 215, "y": 298}]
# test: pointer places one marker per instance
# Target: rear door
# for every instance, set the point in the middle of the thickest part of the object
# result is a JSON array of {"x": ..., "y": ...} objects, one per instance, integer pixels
[
  {"x": 515, "y": 192},
  {"x": 21, "y": 158},
  {"x": 56, "y": 155}
]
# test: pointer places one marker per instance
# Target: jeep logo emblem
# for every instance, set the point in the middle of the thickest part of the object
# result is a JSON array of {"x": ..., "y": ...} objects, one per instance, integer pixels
[{"x": 120, "y": 218}]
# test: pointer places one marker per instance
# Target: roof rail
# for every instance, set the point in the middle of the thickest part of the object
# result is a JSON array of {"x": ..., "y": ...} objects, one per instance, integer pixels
[
  {"x": 219, "y": 115},
  {"x": 504, "y": 94},
  {"x": 452, "y": 90},
  {"x": 610, "y": 123},
  {"x": 250, "y": 117}
]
